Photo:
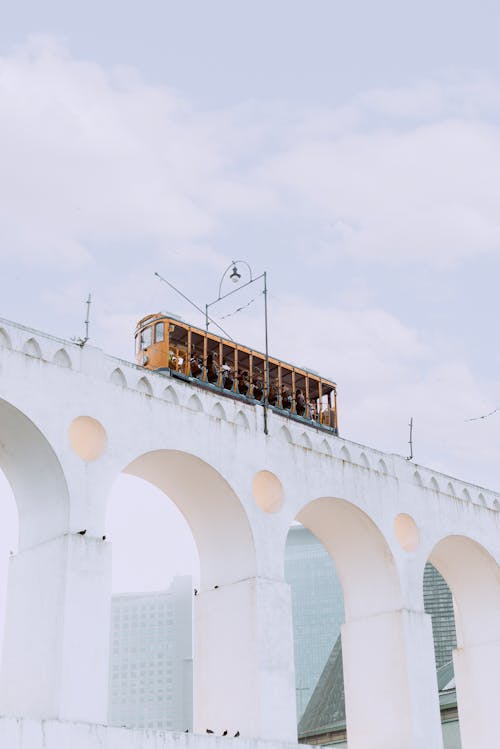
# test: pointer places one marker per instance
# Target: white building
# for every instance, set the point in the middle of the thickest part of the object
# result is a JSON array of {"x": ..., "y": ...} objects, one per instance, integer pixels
[{"x": 151, "y": 661}]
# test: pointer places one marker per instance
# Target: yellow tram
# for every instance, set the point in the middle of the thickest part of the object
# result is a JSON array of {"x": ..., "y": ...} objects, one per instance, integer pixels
[{"x": 165, "y": 343}]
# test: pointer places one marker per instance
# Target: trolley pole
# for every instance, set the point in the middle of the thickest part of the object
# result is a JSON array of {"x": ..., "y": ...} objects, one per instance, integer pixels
[
  {"x": 266, "y": 386},
  {"x": 235, "y": 277}
]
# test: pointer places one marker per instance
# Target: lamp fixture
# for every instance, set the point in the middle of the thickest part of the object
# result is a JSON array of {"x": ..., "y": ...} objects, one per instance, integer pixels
[{"x": 235, "y": 276}]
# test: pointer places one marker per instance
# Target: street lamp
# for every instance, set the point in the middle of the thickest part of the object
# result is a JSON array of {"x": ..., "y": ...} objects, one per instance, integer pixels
[{"x": 235, "y": 277}]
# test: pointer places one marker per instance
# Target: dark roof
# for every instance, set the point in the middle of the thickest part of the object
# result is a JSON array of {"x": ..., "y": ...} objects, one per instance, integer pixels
[
  {"x": 327, "y": 704},
  {"x": 325, "y": 710},
  {"x": 445, "y": 674}
]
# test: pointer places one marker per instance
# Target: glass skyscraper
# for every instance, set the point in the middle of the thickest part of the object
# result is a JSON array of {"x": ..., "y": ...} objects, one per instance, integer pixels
[
  {"x": 318, "y": 611},
  {"x": 438, "y": 602},
  {"x": 151, "y": 663},
  {"x": 317, "y": 608}
]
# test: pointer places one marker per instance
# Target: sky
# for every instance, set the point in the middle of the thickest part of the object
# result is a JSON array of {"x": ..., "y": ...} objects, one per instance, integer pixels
[{"x": 351, "y": 150}]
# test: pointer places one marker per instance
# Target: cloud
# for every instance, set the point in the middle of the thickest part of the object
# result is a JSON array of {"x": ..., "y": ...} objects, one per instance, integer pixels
[
  {"x": 386, "y": 372},
  {"x": 426, "y": 194},
  {"x": 95, "y": 158},
  {"x": 92, "y": 157},
  {"x": 106, "y": 178}
]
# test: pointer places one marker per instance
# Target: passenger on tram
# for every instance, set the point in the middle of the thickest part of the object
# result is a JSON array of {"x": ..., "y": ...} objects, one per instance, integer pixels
[
  {"x": 300, "y": 402},
  {"x": 258, "y": 386},
  {"x": 273, "y": 393},
  {"x": 243, "y": 382},
  {"x": 212, "y": 368},
  {"x": 227, "y": 376},
  {"x": 286, "y": 398},
  {"x": 226, "y": 373},
  {"x": 196, "y": 364},
  {"x": 312, "y": 410}
]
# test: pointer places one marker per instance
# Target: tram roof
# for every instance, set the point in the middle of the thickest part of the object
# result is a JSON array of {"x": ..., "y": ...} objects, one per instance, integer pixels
[{"x": 158, "y": 316}]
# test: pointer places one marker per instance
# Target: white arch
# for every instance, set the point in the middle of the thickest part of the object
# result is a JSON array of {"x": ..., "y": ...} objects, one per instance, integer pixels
[
  {"x": 450, "y": 489},
  {"x": 382, "y": 466},
  {"x": 144, "y": 386},
  {"x": 170, "y": 395},
  {"x": 345, "y": 454},
  {"x": 417, "y": 478},
  {"x": 242, "y": 420},
  {"x": 482, "y": 499},
  {"x": 466, "y": 495},
  {"x": 360, "y": 553},
  {"x": 305, "y": 441},
  {"x": 218, "y": 412},
  {"x": 220, "y": 526},
  {"x": 62, "y": 359},
  {"x": 373, "y": 640},
  {"x": 434, "y": 484},
  {"x": 118, "y": 378},
  {"x": 325, "y": 447},
  {"x": 36, "y": 477},
  {"x": 363, "y": 460},
  {"x": 474, "y": 579},
  {"x": 473, "y": 576},
  {"x": 194, "y": 403},
  {"x": 284, "y": 434},
  {"x": 32, "y": 348},
  {"x": 5, "y": 339}
]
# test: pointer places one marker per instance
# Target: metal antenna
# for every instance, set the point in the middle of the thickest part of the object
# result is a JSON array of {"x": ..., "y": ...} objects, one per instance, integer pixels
[
  {"x": 410, "y": 441},
  {"x": 87, "y": 319},
  {"x": 82, "y": 341}
]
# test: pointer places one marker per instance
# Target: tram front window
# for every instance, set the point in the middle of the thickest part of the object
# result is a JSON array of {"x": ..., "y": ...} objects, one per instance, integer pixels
[
  {"x": 146, "y": 337},
  {"x": 159, "y": 332}
]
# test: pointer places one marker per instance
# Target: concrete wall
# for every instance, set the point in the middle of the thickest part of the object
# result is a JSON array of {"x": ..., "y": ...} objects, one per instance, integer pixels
[
  {"x": 71, "y": 420},
  {"x": 16, "y": 733}
]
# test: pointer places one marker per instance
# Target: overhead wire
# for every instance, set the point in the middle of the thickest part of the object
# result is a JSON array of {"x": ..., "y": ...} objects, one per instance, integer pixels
[
  {"x": 485, "y": 416},
  {"x": 239, "y": 309}
]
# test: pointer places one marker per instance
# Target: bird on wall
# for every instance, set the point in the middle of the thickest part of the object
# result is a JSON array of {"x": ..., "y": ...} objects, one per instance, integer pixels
[
  {"x": 82, "y": 533},
  {"x": 209, "y": 730},
  {"x": 215, "y": 587},
  {"x": 236, "y": 734},
  {"x": 224, "y": 733},
  {"x": 196, "y": 591}
]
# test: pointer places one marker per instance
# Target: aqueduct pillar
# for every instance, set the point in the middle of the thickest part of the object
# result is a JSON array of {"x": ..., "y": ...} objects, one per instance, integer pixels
[{"x": 55, "y": 657}]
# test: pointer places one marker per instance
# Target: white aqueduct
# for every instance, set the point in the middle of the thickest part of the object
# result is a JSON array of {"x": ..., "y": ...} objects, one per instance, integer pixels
[{"x": 72, "y": 419}]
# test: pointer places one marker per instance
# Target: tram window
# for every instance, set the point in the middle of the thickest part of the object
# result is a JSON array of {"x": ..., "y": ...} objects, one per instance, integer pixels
[
  {"x": 197, "y": 363},
  {"x": 326, "y": 410},
  {"x": 286, "y": 388},
  {"x": 177, "y": 355},
  {"x": 273, "y": 392},
  {"x": 146, "y": 337},
  {"x": 212, "y": 363},
  {"x": 243, "y": 372},
  {"x": 300, "y": 394},
  {"x": 159, "y": 332},
  {"x": 227, "y": 368},
  {"x": 258, "y": 376},
  {"x": 312, "y": 406},
  {"x": 137, "y": 344}
]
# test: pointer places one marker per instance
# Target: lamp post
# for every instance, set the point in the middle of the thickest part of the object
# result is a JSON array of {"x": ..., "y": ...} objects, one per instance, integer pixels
[{"x": 235, "y": 277}]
